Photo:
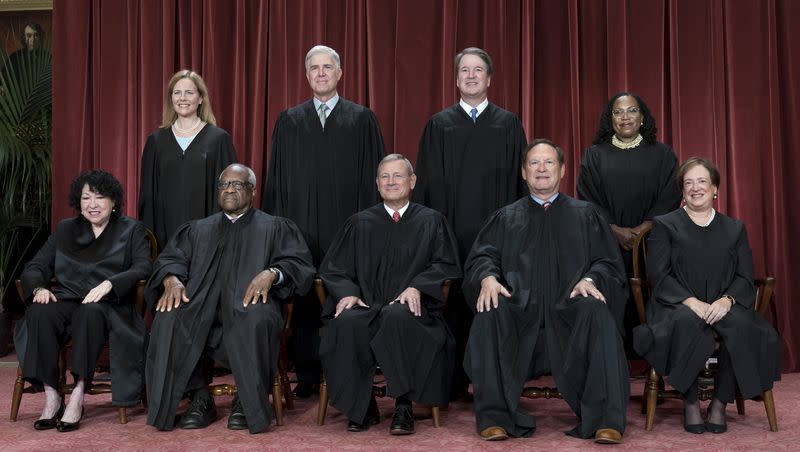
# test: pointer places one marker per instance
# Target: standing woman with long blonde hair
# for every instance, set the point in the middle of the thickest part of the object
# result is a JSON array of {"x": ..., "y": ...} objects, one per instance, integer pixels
[{"x": 182, "y": 159}]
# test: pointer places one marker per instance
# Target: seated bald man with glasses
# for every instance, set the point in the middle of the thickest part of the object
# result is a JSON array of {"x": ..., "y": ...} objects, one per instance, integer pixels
[{"x": 216, "y": 288}]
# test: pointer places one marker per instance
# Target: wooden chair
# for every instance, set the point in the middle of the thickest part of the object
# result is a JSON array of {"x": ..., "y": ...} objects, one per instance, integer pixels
[
  {"x": 280, "y": 385},
  {"x": 64, "y": 387},
  {"x": 655, "y": 391},
  {"x": 377, "y": 391}
]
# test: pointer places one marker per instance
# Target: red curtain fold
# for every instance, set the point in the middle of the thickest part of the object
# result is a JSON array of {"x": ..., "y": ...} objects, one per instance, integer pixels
[{"x": 720, "y": 77}]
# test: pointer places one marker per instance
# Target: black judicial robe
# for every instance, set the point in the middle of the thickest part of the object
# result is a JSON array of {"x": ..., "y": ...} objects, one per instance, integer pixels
[
  {"x": 318, "y": 178},
  {"x": 468, "y": 170},
  {"x": 79, "y": 262},
  {"x": 177, "y": 187},
  {"x": 629, "y": 186},
  {"x": 375, "y": 259},
  {"x": 216, "y": 260},
  {"x": 686, "y": 260},
  {"x": 539, "y": 256}
]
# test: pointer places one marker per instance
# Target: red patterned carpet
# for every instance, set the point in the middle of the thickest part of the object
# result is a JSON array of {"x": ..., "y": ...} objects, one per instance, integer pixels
[{"x": 100, "y": 429}]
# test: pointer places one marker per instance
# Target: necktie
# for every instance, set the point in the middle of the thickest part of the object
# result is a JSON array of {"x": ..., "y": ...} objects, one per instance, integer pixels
[
  {"x": 396, "y": 216},
  {"x": 474, "y": 114},
  {"x": 233, "y": 220},
  {"x": 323, "y": 108},
  {"x": 546, "y": 205}
]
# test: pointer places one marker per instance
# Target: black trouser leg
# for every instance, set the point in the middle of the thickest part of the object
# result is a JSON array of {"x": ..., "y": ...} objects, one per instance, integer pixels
[
  {"x": 88, "y": 337},
  {"x": 48, "y": 329}
]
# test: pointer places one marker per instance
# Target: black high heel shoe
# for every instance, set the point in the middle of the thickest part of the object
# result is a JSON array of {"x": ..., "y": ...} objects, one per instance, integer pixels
[
  {"x": 62, "y": 426},
  {"x": 694, "y": 428},
  {"x": 47, "y": 424}
]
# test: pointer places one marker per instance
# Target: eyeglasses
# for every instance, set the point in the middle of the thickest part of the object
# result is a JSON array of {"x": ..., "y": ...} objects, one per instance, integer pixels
[
  {"x": 237, "y": 185},
  {"x": 621, "y": 111}
]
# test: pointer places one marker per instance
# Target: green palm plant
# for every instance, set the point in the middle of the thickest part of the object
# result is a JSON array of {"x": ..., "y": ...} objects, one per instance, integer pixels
[{"x": 25, "y": 154}]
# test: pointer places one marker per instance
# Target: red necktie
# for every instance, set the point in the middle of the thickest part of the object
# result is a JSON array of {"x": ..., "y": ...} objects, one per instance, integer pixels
[
  {"x": 396, "y": 216},
  {"x": 546, "y": 205}
]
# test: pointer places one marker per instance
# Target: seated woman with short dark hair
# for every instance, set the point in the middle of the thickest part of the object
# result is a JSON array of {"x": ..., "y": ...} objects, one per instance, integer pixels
[
  {"x": 96, "y": 259},
  {"x": 701, "y": 270}
]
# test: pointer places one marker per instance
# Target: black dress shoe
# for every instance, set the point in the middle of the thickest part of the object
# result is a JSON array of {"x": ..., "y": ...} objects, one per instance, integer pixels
[
  {"x": 200, "y": 414},
  {"x": 373, "y": 417},
  {"x": 237, "y": 420},
  {"x": 402, "y": 421},
  {"x": 64, "y": 427},
  {"x": 716, "y": 428},
  {"x": 47, "y": 424}
]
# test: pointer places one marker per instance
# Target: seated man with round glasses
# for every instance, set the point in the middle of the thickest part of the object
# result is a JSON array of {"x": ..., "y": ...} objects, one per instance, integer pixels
[{"x": 216, "y": 288}]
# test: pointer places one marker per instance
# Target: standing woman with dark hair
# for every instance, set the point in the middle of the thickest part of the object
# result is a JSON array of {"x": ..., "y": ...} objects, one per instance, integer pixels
[
  {"x": 629, "y": 177},
  {"x": 626, "y": 173},
  {"x": 182, "y": 159},
  {"x": 96, "y": 259}
]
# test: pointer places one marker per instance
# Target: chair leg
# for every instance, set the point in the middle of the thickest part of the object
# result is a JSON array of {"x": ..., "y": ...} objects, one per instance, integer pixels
[
  {"x": 322, "y": 409},
  {"x": 123, "y": 416},
  {"x": 286, "y": 387},
  {"x": 739, "y": 404},
  {"x": 277, "y": 405},
  {"x": 19, "y": 385},
  {"x": 769, "y": 405},
  {"x": 652, "y": 399},
  {"x": 435, "y": 416}
]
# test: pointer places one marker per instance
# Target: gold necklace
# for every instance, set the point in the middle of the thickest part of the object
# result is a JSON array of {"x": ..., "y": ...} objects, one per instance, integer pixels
[{"x": 623, "y": 145}]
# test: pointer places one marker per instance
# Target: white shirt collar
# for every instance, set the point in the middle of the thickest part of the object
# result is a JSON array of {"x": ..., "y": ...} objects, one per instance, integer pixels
[
  {"x": 402, "y": 210},
  {"x": 467, "y": 107},
  {"x": 542, "y": 201},
  {"x": 231, "y": 217},
  {"x": 330, "y": 103}
]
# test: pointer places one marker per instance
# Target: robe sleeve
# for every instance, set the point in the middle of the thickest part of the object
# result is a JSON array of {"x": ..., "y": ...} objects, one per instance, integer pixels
[
  {"x": 430, "y": 190},
  {"x": 669, "y": 194},
  {"x": 140, "y": 265},
  {"x": 372, "y": 151},
  {"x": 39, "y": 270},
  {"x": 173, "y": 260},
  {"x": 485, "y": 257},
  {"x": 290, "y": 254},
  {"x": 742, "y": 288},
  {"x": 271, "y": 201},
  {"x": 147, "y": 184},
  {"x": 443, "y": 264},
  {"x": 519, "y": 141},
  {"x": 666, "y": 288},
  {"x": 590, "y": 184},
  {"x": 606, "y": 267},
  {"x": 338, "y": 269}
]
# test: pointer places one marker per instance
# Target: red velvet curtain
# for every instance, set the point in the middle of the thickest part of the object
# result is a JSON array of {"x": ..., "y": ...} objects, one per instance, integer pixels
[{"x": 720, "y": 77}]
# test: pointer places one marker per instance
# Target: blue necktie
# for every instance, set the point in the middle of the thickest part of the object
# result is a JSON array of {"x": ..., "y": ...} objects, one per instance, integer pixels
[{"x": 474, "y": 114}]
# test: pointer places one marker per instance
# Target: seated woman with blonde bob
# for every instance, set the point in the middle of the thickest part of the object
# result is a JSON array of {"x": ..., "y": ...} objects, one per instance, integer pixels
[
  {"x": 701, "y": 270},
  {"x": 96, "y": 259}
]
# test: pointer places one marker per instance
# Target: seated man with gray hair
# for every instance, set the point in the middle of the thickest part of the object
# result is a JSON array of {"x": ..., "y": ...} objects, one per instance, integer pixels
[
  {"x": 216, "y": 287},
  {"x": 384, "y": 274}
]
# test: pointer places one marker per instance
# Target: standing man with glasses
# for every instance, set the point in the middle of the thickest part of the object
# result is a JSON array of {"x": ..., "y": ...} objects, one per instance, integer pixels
[
  {"x": 216, "y": 288},
  {"x": 322, "y": 163},
  {"x": 468, "y": 167}
]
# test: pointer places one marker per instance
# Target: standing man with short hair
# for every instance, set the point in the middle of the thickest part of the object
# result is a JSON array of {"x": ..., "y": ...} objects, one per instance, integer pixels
[
  {"x": 322, "y": 163},
  {"x": 468, "y": 167}
]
